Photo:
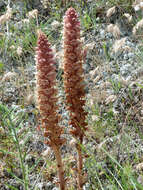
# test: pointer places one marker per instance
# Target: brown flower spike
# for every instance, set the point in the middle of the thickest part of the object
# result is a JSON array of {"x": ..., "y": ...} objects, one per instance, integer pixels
[
  {"x": 47, "y": 100},
  {"x": 74, "y": 82}
]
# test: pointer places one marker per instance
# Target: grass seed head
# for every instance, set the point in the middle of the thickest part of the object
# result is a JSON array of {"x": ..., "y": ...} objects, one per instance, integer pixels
[
  {"x": 55, "y": 24},
  {"x": 118, "y": 45},
  {"x": 32, "y": 14},
  {"x": 110, "y": 11},
  {"x": 114, "y": 29},
  {"x": 19, "y": 50},
  {"x": 137, "y": 26},
  {"x": 128, "y": 16},
  {"x": 7, "y": 16}
]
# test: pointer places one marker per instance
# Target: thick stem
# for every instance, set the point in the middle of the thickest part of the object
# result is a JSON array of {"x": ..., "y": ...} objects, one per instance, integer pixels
[
  {"x": 79, "y": 167},
  {"x": 60, "y": 168}
]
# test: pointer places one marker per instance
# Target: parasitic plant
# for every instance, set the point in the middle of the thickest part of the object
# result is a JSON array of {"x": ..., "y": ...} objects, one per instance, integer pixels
[
  {"x": 47, "y": 101},
  {"x": 74, "y": 83}
]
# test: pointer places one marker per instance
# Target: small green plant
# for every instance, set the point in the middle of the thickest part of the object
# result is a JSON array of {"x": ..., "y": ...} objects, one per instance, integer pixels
[
  {"x": 123, "y": 4},
  {"x": 106, "y": 51},
  {"x": 1, "y": 67},
  {"x": 86, "y": 21},
  {"x": 116, "y": 85},
  {"x": 13, "y": 124},
  {"x": 114, "y": 175}
]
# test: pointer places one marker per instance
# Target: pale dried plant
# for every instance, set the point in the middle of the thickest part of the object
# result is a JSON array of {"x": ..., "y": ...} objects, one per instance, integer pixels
[
  {"x": 9, "y": 12},
  {"x": 105, "y": 85},
  {"x": 29, "y": 99},
  {"x": 89, "y": 46},
  {"x": 8, "y": 76},
  {"x": 127, "y": 48},
  {"x": 110, "y": 11},
  {"x": 7, "y": 16},
  {"x": 137, "y": 26},
  {"x": 1, "y": 34},
  {"x": 73, "y": 143},
  {"x": 137, "y": 5},
  {"x": 116, "y": 32},
  {"x": 94, "y": 72},
  {"x": 91, "y": 102},
  {"x": 124, "y": 82},
  {"x": 25, "y": 21},
  {"x": 139, "y": 166},
  {"x": 54, "y": 50},
  {"x": 110, "y": 99},
  {"x": 110, "y": 28},
  {"x": 59, "y": 56},
  {"x": 12, "y": 47},
  {"x": 99, "y": 95},
  {"x": 32, "y": 14},
  {"x": 118, "y": 45},
  {"x": 95, "y": 118},
  {"x": 44, "y": 3},
  {"x": 96, "y": 79},
  {"x": 114, "y": 29},
  {"x": 91, "y": 131},
  {"x": 128, "y": 16},
  {"x": 141, "y": 5},
  {"x": 19, "y": 51},
  {"x": 134, "y": 31},
  {"x": 46, "y": 154},
  {"x": 55, "y": 24}
]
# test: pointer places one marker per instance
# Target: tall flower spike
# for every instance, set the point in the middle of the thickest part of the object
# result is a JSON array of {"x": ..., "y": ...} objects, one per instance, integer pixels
[
  {"x": 46, "y": 100},
  {"x": 73, "y": 81}
]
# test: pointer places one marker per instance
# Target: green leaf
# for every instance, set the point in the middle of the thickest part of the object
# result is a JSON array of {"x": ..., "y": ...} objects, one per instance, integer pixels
[
  {"x": 11, "y": 187},
  {"x": 1, "y": 66}
]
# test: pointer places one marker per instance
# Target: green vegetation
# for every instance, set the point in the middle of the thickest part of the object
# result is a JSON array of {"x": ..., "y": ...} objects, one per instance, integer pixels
[{"x": 114, "y": 143}]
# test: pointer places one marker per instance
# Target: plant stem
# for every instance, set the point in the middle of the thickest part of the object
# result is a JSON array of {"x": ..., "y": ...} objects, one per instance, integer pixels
[
  {"x": 16, "y": 140},
  {"x": 60, "y": 167},
  {"x": 79, "y": 166}
]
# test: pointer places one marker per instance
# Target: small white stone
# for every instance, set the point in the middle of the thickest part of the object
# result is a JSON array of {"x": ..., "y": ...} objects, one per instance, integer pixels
[
  {"x": 130, "y": 55},
  {"x": 137, "y": 8},
  {"x": 95, "y": 118},
  {"x": 126, "y": 56},
  {"x": 102, "y": 33}
]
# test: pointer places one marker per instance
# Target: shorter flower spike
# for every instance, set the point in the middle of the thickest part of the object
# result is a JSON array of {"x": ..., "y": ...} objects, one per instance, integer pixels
[{"x": 47, "y": 100}]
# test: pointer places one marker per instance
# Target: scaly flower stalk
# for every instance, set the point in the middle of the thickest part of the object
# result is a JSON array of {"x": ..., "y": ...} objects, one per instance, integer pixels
[
  {"x": 47, "y": 100},
  {"x": 74, "y": 83}
]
